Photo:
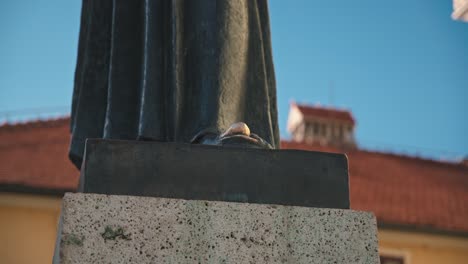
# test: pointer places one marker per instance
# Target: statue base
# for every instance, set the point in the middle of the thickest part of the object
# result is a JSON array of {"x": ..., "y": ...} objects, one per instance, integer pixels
[
  {"x": 201, "y": 172},
  {"x": 126, "y": 229}
]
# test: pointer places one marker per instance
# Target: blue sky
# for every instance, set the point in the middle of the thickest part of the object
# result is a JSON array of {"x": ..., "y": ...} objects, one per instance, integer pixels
[{"x": 400, "y": 66}]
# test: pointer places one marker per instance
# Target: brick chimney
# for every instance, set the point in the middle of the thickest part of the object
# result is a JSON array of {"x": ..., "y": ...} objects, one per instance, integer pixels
[{"x": 321, "y": 125}]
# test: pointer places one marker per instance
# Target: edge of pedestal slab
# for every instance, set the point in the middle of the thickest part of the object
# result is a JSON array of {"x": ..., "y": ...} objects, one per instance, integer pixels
[
  {"x": 69, "y": 195},
  {"x": 58, "y": 240}
]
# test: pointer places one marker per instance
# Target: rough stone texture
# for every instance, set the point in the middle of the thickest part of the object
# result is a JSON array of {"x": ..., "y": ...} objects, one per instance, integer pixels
[{"x": 124, "y": 229}]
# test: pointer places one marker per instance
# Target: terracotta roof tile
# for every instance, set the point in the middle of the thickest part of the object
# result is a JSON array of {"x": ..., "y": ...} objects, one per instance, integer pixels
[
  {"x": 35, "y": 155},
  {"x": 404, "y": 190},
  {"x": 326, "y": 113}
]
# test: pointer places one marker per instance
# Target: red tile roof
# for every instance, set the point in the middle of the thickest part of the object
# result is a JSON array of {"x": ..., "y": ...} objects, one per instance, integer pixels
[
  {"x": 326, "y": 113},
  {"x": 34, "y": 156},
  {"x": 400, "y": 190},
  {"x": 405, "y": 191}
]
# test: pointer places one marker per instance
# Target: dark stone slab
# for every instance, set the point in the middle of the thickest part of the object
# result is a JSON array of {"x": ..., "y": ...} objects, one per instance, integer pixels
[{"x": 187, "y": 171}]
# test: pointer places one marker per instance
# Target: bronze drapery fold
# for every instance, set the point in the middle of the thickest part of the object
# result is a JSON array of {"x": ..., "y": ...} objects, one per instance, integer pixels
[{"x": 165, "y": 70}]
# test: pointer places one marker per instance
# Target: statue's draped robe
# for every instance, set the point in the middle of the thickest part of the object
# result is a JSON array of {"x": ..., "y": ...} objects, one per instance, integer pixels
[{"x": 167, "y": 70}]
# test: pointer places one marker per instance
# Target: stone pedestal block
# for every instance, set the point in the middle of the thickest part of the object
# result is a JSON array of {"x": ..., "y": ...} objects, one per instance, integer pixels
[{"x": 99, "y": 228}]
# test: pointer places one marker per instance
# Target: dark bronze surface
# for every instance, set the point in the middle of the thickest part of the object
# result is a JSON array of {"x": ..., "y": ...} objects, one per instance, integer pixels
[
  {"x": 167, "y": 70},
  {"x": 188, "y": 171}
]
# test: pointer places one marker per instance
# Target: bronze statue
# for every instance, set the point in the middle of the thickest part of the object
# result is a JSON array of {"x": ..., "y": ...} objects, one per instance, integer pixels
[{"x": 174, "y": 70}]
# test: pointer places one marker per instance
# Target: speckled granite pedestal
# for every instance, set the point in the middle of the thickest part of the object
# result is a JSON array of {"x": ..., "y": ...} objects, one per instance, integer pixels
[{"x": 124, "y": 229}]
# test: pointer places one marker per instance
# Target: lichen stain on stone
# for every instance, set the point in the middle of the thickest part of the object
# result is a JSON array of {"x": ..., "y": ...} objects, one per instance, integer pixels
[
  {"x": 111, "y": 233},
  {"x": 72, "y": 239}
]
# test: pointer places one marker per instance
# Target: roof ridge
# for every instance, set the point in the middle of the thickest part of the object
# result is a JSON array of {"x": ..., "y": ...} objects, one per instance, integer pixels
[
  {"x": 35, "y": 123},
  {"x": 324, "y": 107},
  {"x": 325, "y": 112},
  {"x": 383, "y": 153},
  {"x": 413, "y": 157}
]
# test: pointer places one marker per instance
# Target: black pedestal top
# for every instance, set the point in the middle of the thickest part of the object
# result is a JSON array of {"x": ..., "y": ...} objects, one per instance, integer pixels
[{"x": 187, "y": 171}]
